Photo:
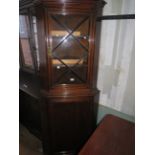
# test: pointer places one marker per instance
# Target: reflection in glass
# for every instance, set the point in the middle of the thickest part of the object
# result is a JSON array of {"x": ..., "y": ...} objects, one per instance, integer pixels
[
  {"x": 69, "y": 41},
  {"x": 35, "y": 34},
  {"x": 25, "y": 40}
]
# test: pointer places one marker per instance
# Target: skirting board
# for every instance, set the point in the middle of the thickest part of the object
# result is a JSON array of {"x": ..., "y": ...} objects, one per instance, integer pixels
[{"x": 102, "y": 111}]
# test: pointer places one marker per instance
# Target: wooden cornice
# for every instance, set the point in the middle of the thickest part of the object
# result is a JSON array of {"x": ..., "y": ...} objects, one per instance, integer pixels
[{"x": 31, "y": 3}]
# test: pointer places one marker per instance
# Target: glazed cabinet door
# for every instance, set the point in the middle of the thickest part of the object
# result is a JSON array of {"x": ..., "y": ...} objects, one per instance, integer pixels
[
  {"x": 28, "y": 41},
  {"x": 25, "y": 39},
  {"x": 68, "y": 48}
]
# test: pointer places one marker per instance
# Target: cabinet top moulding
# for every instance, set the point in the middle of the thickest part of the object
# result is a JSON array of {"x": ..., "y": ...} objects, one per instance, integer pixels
[{"x": 65, "y": 4}]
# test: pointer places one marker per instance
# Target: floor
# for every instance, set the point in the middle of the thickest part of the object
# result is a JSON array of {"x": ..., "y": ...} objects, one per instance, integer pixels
[{"x": 28, "y": 144}]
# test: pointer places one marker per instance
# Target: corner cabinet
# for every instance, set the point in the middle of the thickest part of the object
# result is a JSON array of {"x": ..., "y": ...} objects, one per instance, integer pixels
[{"x": 65, "y": 67}]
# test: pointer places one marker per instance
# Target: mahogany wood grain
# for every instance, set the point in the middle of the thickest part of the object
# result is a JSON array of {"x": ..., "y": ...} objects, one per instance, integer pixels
[
  {"x": 68, "y": 111},
  {"x": 114, "y": 136}
]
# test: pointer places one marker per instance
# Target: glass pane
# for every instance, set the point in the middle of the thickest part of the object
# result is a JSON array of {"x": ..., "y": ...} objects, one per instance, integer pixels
[
  {"x": 24, "y": 26},
  {"x": 69, "y": 39},
  {"x": 57, "y": 34},
  {"x": 35, "y": 34},
  {"x": 84, "y": 34},
  {"x": 70, "y": 49},
  {"x": 26, "y": 52},
  {"x": 69, "y": 78},
  {"x": 69, "y": 22}
]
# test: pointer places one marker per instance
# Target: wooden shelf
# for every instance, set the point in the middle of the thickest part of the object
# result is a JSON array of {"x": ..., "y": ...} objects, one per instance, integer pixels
[
  {"x": 58, "y": 33},
  {"x": 67, "y": 61}
]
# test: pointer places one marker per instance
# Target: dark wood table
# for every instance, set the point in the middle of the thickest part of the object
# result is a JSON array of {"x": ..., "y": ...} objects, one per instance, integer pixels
[{"x": 113, "y": 136}]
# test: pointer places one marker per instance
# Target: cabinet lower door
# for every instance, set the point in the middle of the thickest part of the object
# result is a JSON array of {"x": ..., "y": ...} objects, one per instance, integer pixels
[{"x": 69, "y": 123}]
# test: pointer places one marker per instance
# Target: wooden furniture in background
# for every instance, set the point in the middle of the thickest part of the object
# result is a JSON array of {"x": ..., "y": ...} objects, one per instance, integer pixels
[{"x": 114, "y": 136}]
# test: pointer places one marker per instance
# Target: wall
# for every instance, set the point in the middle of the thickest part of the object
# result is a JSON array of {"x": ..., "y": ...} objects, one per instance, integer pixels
[{"x": 117, "y": 58}]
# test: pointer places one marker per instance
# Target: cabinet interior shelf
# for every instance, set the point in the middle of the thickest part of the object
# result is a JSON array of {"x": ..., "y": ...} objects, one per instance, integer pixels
[
  {"x": 58, "y": 33},
  {"x": 67, "y": 61}
]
